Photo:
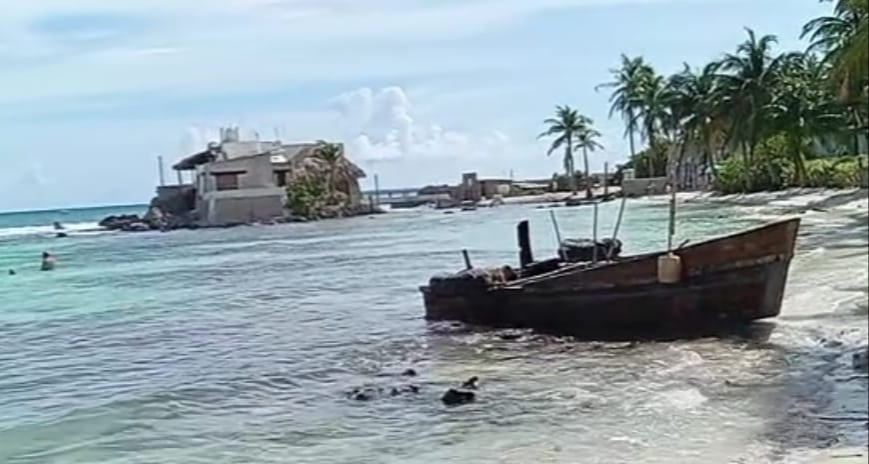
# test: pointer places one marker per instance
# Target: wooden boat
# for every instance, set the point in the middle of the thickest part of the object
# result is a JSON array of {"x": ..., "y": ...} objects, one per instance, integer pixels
[{"x": 721, "y": 283}]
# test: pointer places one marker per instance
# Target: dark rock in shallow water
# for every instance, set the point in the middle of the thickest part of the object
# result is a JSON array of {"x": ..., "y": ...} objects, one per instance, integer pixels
[
  {"x": 409, "y": 373},
  {"x": 119, "y": 222},
  {"x": 455, "y": 397},
  {"x": 860, "y": 360},
  {"x": 372, "y": 393}
]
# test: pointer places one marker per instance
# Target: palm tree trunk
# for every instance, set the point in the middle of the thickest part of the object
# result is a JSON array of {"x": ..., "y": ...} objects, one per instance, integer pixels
[
  {"x": 708, "y": 156},
  {"x": 857, "y": 132},
  {"x": 588, "y": 194},
  {"x": 677, "y": 180},
  {"x": 632, "y": 126},
  {"x": 568, "y": 156},
  {"x": 652, "y": 151},
  {"x": 797, "y": 158}
]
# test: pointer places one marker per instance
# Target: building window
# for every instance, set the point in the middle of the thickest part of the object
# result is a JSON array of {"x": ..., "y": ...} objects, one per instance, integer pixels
[
  {"x": 226, "y": 181},
  {"x": 281, "y": 178}
]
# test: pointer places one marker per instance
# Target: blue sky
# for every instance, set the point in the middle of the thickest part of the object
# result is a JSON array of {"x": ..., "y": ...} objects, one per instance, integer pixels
[{"x": 420, "y": 90}]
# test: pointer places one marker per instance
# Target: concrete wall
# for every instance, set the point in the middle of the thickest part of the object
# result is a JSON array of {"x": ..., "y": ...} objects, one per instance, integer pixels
[
  {"x": 258, "y": 173},
  {"x": 645, "y": 186},
  {"x": 242, "y": 206}
]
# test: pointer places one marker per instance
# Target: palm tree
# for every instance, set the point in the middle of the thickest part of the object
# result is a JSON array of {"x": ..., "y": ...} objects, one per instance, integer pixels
[
  {"x": 844, "y": 40},
  {"x": 566, "y": 124},
  {"x": 697, "y": 97},
  {"x": 336, "y": 168},
  {"x": 752, "y": 74},
  {"x": 627, "y": 84},
  {"x": 804, "y": 109},
  {"x": 655, "y": 96},
  {"x": 586, "y": 139}
]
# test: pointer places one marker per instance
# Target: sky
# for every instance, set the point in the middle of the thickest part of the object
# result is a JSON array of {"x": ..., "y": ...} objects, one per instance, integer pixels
[{"x": 93, "y": 91}]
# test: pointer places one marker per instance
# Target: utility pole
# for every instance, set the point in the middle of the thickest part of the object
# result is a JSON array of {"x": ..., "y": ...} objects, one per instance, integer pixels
[
  {"x": 160, "y": 167},
  {"x": 376, "y": 190}
]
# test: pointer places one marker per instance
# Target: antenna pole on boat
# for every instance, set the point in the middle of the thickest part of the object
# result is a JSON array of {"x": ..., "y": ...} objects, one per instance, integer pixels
[
  {"x": 467, "y": 260},
  {"x": 557, "y": 232},
  {"x": 594, "y": 236},
  {"x": 617, "y": 226},
  {"x": 671, "y": 230}
]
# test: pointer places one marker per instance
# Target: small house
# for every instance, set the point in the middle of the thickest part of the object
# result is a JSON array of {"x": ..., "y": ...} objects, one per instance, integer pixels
[{"x": 240, "y": 181}]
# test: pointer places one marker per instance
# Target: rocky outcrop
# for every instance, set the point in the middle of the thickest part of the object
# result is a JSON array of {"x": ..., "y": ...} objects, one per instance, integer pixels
[{"x": 154, "y": 219}]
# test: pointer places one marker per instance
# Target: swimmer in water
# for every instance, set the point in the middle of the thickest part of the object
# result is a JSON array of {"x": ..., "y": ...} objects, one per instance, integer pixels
[
  {"x": 48, "y": 262},
  {"x": 58, "y": 225}
]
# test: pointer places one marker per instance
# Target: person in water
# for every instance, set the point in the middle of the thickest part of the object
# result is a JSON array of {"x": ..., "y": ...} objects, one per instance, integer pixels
[{"x": 48, "y": 262}]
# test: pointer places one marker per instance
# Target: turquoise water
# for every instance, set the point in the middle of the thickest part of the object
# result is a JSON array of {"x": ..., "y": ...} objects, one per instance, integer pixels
[{"x": 240, "y": 345}]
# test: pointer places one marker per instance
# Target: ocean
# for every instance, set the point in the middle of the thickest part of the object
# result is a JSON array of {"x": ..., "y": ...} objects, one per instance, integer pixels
[{"x": 242, "y": 345}]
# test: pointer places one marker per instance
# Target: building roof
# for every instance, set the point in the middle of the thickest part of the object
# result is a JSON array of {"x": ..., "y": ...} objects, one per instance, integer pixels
[
  {"x": 196, "y": 159},
  {"x": 280, "y": 154}
]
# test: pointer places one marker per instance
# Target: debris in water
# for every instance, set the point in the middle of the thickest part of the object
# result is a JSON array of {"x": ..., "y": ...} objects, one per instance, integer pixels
[{"x": 471, "y": 383}]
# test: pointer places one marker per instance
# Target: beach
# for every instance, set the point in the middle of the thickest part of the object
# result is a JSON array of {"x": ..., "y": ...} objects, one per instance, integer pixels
[{"x": 241, "y": 345}]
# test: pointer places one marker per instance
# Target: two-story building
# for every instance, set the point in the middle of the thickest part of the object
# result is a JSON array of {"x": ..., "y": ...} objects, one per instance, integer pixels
[{"x": 243, "y": 181}]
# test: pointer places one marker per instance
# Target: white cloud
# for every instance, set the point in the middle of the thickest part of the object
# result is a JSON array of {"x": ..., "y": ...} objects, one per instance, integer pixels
[
  {"x": 201, "y": 46},
  {"x": 380, "y": 126}
]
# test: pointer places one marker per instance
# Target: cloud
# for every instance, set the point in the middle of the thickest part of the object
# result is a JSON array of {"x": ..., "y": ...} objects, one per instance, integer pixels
[
  {"x": 380, "y": 127},
  {"x": 107, "y": 46}
]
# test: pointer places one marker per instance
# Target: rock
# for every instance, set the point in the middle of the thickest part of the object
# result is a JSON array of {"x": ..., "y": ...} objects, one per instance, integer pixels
[
  {"x": 135, "y": 227},
  {"x": 860, "y": 360},
  {"x": 410, "y": 388},
  {"x": 471, "y": 384},
  {"x": 364, "y": 394},
  {"x": 455, "y": 397},
  {"x": 61, "y": 235},
  {"x": 119, "y": 222},
  {"x": 154, "y": 214},
  {"x": 409, "y": 373}
]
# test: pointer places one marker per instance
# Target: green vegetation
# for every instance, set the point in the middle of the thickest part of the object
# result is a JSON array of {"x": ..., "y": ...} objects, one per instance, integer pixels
[
  {"x": 321, "y": 181},
  {"x": 573, "y": 131},
  {"x": 769, "y": 120}
]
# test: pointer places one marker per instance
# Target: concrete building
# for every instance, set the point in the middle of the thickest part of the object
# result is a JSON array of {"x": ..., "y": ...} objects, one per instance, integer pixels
[{"x": 238, "y": 181}]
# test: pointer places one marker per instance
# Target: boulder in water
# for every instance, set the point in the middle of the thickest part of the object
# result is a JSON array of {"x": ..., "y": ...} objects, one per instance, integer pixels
[
  {"x": 119, "y": 222},
  {"x": 455, "y": 397},
  {"x": 860, "y": 360}
]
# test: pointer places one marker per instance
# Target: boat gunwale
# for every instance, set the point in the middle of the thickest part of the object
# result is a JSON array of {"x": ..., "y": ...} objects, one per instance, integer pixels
[{"x": 584, "y": 267}]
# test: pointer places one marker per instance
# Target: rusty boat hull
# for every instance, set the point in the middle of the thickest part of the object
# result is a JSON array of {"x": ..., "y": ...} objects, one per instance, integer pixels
[{"x": 725, "y": 283}]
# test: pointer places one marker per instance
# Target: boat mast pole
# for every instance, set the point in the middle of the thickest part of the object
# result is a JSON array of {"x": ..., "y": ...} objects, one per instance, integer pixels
[
  {"x": 671, "y": 230},
  {"x": 557, "y": 232},
  {"x": 594, "y": 236},
  {"x": 617, "y": 226}
]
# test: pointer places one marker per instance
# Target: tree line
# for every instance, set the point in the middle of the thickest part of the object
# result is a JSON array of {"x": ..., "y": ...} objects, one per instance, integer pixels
[{"x": 756, "y": 113}]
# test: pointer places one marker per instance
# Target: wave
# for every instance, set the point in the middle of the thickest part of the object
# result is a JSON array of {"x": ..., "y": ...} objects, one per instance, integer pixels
[{"x": 81, "y": 228}]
